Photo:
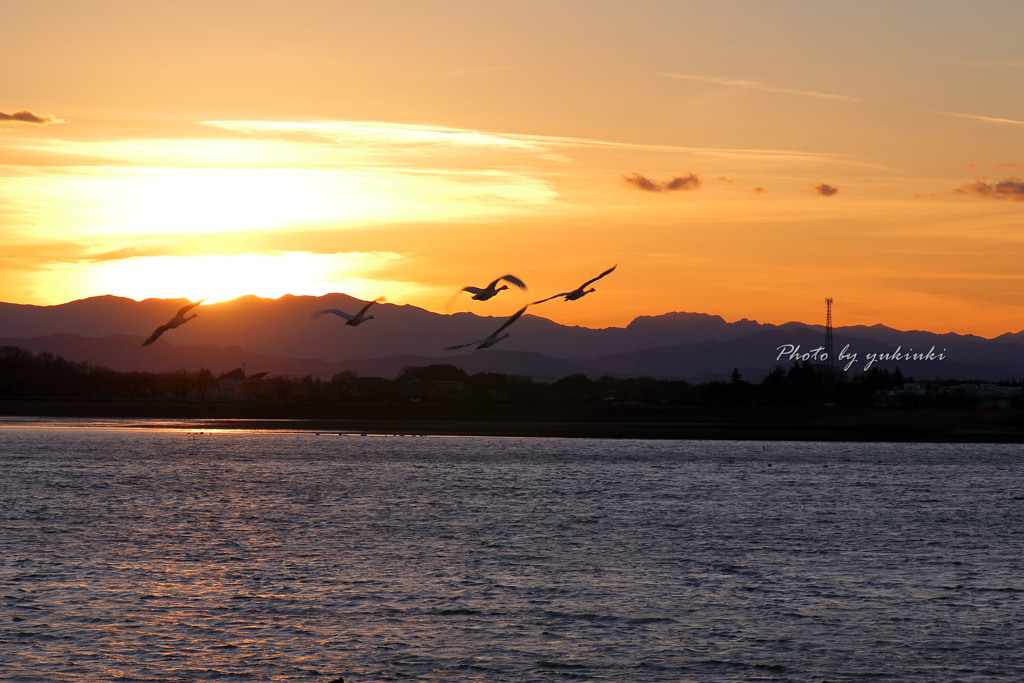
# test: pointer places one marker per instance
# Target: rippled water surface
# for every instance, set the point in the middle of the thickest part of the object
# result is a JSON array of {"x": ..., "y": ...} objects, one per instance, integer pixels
[{"x": 161, "y": 554}]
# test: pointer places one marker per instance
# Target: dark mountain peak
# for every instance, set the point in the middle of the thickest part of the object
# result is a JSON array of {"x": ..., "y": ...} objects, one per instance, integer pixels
[
  {"x": 877, "y": 327},
  {"x": 686, "y": 327},
  {"x": 676, "y": 318}
]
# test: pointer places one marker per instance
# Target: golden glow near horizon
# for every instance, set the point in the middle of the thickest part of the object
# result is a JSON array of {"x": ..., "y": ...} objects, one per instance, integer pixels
[
  {"x": 743, "y": 159},
  {"x": 218, "y": 278}
]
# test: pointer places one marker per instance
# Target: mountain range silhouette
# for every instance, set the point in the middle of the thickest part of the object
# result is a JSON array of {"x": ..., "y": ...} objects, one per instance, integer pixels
[{"x": 279, "y": 336}]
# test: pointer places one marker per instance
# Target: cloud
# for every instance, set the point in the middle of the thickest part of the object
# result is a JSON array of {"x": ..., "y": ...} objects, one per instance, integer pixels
[
  {"x": 984, "y": 119},
  {"x": 642, "y": 182},
  {"x": 825, "y": 190},
  {"x": 25, "y": 116},
  {"x": 1012, "y": 188},
  {"x": 676, "y": 184},
  {"x": 130, "y": 252},
  {"x": 763, "y": 87},
  {"x": 686, "y": 182}
]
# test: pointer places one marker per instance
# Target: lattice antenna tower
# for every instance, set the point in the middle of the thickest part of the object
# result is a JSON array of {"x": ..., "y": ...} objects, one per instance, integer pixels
[{"x": 828, "y": 332}]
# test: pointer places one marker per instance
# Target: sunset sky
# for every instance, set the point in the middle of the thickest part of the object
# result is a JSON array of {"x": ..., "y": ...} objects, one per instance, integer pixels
[{"x": 739, "y": 158}]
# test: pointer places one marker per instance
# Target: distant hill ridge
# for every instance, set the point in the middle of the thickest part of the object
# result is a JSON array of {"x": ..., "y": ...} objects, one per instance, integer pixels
[{"x": 281, "y": 337}]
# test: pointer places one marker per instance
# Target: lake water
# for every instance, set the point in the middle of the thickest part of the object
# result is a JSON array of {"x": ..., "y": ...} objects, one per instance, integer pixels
[{"x": 164, "y": 554}]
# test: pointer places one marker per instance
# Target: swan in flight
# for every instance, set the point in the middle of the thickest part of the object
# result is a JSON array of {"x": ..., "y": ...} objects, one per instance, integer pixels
[
  {"x": 493, "y": 337},
  {"x": 178, "y": 320},
  {"x": 579, "y": 291},
  {"x": 491, "y": 290},
  {"x": 353, "y": 320}
]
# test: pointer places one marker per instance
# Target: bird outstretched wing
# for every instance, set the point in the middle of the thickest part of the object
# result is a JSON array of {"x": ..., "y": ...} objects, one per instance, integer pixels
[
  {"x": 550, "y": 298},
  {"x": 156, "y": 333},
  {"x": 599, "y": 276},
  {"x": 185, "y": 309},
  {"x": 363, "y": 309},
  {"x": 334, "y": 311},
  {"x": 462, "y": 346},
  {"x": 515, "y": 317},
  {"x": 512, "y": 279}
]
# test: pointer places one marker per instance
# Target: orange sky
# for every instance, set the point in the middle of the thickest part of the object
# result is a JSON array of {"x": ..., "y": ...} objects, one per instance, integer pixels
[{"x": 746, "y": 159}]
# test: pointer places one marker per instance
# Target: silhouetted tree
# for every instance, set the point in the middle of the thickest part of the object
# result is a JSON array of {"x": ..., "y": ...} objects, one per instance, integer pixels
[
  {"x": 204, "y": 382},
  {"x": 180, "y": 384}
]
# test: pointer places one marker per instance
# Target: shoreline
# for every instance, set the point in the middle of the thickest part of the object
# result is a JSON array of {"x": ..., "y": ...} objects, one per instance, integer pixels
[{"x": 688, "y": 422}]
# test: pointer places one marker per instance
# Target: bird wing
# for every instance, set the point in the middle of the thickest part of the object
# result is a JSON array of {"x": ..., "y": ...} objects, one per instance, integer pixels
[
  {"x": 363, "y": 309},
  {"x": 451, "y": 302},
  {"x": 156, "y": 333},
  {"x": 334, "y": 311},
  {"x": 189, "y": 307},
  {"x": 513, "y": 279},
  {"x": 550, "y": 298},
  {"x": 515, "y": 317},
  {"x": 599, "y": 276},
  {"x": 511, "y": 320}
]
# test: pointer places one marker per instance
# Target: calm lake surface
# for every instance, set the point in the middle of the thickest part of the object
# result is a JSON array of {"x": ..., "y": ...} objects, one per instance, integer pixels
[{"x": 165, "y": 554}]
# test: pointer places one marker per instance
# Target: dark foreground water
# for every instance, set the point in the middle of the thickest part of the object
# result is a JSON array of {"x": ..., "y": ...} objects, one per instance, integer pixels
[{"x": 167, "y": 555}]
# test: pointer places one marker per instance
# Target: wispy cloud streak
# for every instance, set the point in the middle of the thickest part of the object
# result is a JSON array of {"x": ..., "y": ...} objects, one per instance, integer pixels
[
  {"x": 763, "y": 87},
  {"x": 984, "y": 119},
  {"x": 396, "y": 134}
]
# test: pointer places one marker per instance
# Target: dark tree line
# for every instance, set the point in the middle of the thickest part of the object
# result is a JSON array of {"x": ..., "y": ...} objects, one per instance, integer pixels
[
  {"x": 27, "y": 375},
  {"x": 24, "y": 374}
]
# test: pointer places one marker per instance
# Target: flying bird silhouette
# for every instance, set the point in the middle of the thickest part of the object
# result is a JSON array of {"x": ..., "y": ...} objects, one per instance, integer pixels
[
  {"x": 579, "y": 291},
  {"x": 178, "y": 320},
  {"x": 493, "y": 338},
  {"x": 491, "y": 290},
  {"x": 353, "y": 320}
]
